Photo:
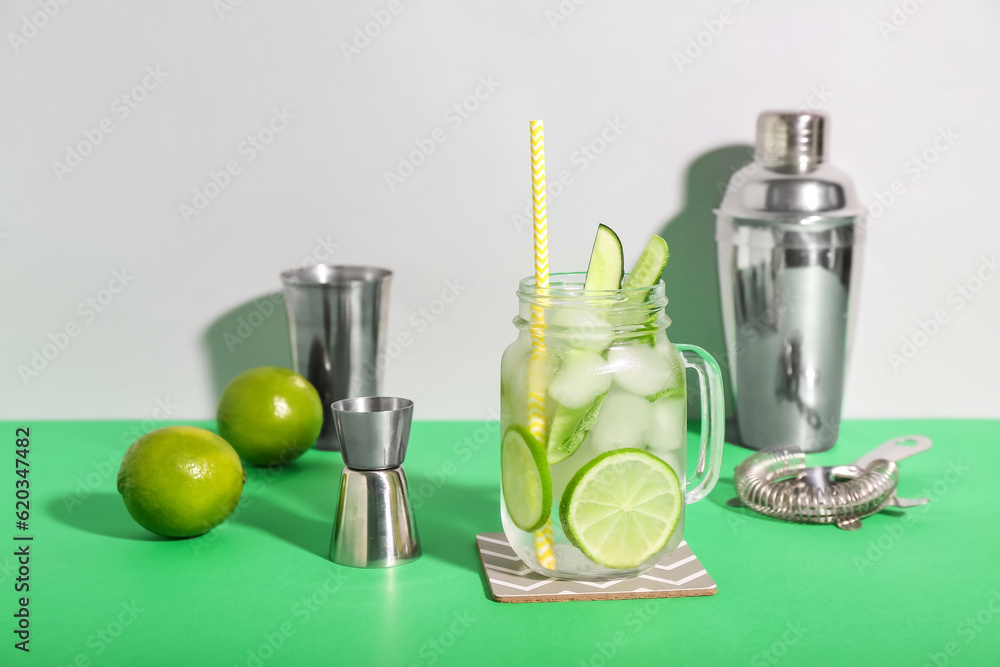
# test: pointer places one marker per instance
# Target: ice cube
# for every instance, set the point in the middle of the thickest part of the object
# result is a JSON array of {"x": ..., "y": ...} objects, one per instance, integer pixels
[
  {"x": 668, "y": 430},
  {"x": 643, "y": 370},
  {"x": 513, "y": 376},
  {"x": 582, "y": 328},
  {"x": 625, "y": 421},
  {"x": 581, "y": 378}
]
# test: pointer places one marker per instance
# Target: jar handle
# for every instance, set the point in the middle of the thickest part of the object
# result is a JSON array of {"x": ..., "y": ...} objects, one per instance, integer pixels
[{"x": 713, "y": 420}]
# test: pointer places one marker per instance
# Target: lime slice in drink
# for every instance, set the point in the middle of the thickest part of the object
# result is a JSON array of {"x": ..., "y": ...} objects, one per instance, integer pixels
[
  {"x": 621, "y": 508},
  {"x": 527, "y": 485}
]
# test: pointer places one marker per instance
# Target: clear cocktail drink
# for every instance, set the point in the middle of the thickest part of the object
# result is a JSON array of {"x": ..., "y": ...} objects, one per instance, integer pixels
[{"x": 615, "y": 431}]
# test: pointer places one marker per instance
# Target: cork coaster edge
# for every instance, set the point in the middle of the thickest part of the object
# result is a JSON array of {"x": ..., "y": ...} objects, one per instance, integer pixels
[{"x": 636, "y": 588}]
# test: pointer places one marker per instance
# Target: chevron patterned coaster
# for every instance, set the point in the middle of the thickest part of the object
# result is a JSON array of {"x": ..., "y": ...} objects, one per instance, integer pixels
[{"x": 677, "y": 575}]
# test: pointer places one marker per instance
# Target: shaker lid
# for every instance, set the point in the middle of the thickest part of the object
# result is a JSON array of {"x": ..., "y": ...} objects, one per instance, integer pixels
[
  {"x": 791, "y": 143},
  {"x": 790, "y": 181}
]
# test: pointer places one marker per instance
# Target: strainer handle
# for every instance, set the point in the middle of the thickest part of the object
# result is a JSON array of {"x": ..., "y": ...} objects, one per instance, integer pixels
[{"x": 713, "y": 420}]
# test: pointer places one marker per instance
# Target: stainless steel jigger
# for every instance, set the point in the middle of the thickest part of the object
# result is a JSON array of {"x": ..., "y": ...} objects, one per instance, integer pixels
[{"x": 375, "y": 525}]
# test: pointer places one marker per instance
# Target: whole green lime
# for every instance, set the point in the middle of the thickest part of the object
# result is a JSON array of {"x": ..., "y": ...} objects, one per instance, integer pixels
[
  {"x": 180, "y": 481},
  {"x": 270, "y": 415}
]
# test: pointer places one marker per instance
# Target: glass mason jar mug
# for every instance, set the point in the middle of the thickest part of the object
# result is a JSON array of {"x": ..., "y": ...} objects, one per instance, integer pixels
[{"x": 593, "y": 411}]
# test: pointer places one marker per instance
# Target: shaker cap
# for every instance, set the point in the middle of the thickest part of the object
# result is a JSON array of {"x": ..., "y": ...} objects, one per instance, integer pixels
[
  {"x": 791, "y": 142},
  {"x": 790, "y": 182}
]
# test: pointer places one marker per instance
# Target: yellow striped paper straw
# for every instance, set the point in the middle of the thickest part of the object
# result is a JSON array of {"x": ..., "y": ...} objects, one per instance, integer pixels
[{"x": 536, "y": 364}]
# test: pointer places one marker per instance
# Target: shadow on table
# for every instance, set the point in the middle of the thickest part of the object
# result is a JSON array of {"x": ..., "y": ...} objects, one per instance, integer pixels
[
  {"x": 288, "y": 503},
  {"x": 312, "y": 482},
  {"x": 252, "y": 334},
  {"x": 450, "y": 516},
  {"x": 297, "y": 503},
  {"x": 101, "y": 513},
  {"x": 309, "y": 533}
]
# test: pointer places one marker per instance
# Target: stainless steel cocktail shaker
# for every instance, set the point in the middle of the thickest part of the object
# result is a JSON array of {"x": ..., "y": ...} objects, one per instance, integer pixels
[{"x": 788, "y": 271}]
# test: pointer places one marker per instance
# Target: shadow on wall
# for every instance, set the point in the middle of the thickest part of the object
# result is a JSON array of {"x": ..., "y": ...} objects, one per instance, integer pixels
[
  {"x": 692, "y": 275},
  {"x": 254, "y": 333}
]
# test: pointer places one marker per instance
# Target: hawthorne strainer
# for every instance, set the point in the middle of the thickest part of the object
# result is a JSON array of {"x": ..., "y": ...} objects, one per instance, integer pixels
[{"x": 777, "y": 483}]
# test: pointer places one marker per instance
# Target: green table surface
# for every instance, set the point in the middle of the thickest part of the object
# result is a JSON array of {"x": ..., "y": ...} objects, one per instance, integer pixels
[{"x": 920, "y": 588}]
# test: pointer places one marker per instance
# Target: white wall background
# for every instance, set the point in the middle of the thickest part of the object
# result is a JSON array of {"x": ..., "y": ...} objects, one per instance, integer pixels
[{"x": 321, "y": 182}]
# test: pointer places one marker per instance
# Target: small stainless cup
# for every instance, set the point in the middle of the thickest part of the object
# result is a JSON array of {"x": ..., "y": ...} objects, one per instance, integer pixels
[
  {"x": 375, "y": 525},
  {"x": 337, "y": 324}
]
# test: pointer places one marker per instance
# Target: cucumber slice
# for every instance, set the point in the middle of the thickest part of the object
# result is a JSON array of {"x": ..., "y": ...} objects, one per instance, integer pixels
[
  {"x": 672, "y": 392},
  {"x": 649, "y": 267},
  {"x": 607, "y": 262},
  {"x": 569, "y": 427}
]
